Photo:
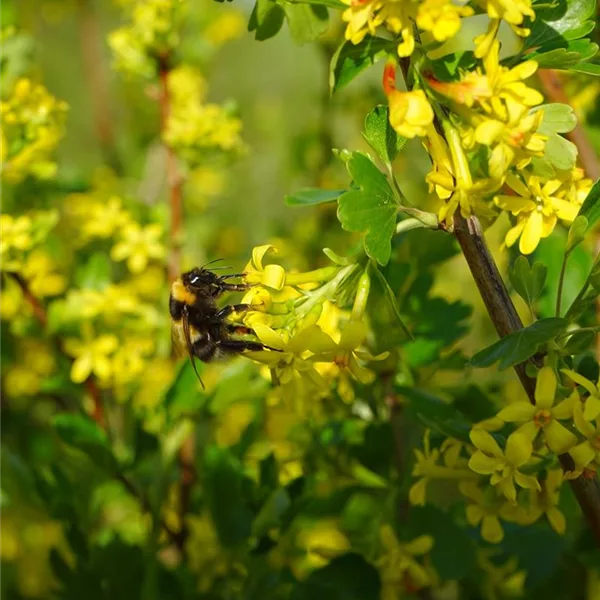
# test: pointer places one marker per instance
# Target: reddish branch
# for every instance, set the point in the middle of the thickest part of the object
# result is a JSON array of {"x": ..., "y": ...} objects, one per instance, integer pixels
[
  {"x": 97, "y": 80},
  {"x": 504, "y": 316},
  {"x": 41, "y": 315},
  {"x": 175, "y": 182}
]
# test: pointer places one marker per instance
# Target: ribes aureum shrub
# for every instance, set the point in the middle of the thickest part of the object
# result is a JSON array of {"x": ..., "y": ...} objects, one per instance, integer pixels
[{"x": 424, "y": 421}]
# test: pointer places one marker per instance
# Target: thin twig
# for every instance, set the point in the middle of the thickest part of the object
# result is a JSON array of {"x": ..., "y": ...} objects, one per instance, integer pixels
[
  {"x": 504, "y": 316},
  {"x": 174, "y": 179},
  {"x": 175, "y": 183},
  {"x": 97, "y": 81},
  {"x": 41, "y": 315}
]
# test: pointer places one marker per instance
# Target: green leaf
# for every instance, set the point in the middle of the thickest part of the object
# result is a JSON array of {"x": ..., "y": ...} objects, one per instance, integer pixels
[
  {"x": 451, "y": 66},
  {"x": 225, "y": 495},
  {"x": 560, "y": 152},
  {"x": 371, "y": 210},
  {"x": 579, "y": 342},
  {"x": 393, "y": 304},
  {"x": 95, "y": 273},
  {"x": 587, "y": 67},
  {"x": 311, "y": 196},
  {"x": 520, "y": 345},
  {"x": 576, "y": 233},
  {"x": 271, "y": 512},
  {"x": 381, "y": 136},
  {"x": 346, "y": 577},
  {"x": 436, "y": 414},
  {"x": 352, "y": 59},
  {"x": 528, "y": 281},
  {"x": 306, "y": 22},
  {"x": 557, "y": 118},
  {"x": 184, "y": 395},
  {"x": 454, "y": 553},
  {"x": 574, "y": 53},
  {"x": 84, "y": 434},
  {"x": 591, "y": 205},
  {"x": 562, "y": 20},
  {"x": 266, "y": 19}
]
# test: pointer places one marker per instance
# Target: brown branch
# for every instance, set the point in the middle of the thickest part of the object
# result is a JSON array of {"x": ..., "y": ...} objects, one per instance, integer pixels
[
  {"x": 174, "y": 180},
  {"x": 506, "y": 320},
  {"x": 94, "y": 70},
  {"x": 41, "y": 315},
  {"x": 175, "y": 183}
]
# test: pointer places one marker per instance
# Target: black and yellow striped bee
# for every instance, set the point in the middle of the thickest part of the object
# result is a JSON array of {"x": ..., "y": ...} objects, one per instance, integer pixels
[{"x": 199, "y": 326}]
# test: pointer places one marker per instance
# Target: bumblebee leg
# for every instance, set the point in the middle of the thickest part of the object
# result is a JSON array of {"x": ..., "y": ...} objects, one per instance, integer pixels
[
  {"x": 205, "y": 349},
  {"x": 239, "y": 346},
  {"x": 228, "y": 310}
]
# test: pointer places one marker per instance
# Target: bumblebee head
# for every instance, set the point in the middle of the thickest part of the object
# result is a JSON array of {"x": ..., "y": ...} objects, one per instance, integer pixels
[{"x": 200, "y": 280}]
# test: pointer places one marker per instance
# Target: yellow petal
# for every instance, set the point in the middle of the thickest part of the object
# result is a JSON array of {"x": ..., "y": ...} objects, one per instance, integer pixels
[
  {"x": 532, "y": 233},
  {"x": 557, "y": 520},
  {"x": 258, "y": 254},
  {"x": 583, "y": 454},
  {"x": 558, "y": 437},
  {"x": 81, "y": 369},
  {"x": 518, "y": 449},
  {"x": 591, "y": 408},
  {"x": 474, "y": 514},
  {"x": 491, "y": 530},
  {"x": 353, "y": 335},
  {"x": 420, "y": 545},
  {"x": 418, "y": 492},
  {"x": 273, "y": 277},
  {"x": 517, "y": 412},
  {"x": 269, "y": 337},
  {"x": 528, "y": 482},
  {"x": 484, "y": 441},
  {"x": 581, "y": 380},
  {"x": 545, "y": 388},
  {"x": 483, "y": 464}
]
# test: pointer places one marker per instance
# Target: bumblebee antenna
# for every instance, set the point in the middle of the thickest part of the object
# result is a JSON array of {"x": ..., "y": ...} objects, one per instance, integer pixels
[{"x": 210, "y": 262}]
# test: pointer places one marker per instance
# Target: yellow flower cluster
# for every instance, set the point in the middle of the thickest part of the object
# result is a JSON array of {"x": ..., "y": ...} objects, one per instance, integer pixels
[
  {"x": 440, "y": 18},
  {"x": 493, "y": 108},
  {"x": 197, "y": 130},
  {"x": 19, "y": 236},
  {"x": 152, "y": 35},
  {"x": 289, "y": 317},
  {"x": 32, "y": 125},
  {"x": 512, "y": 483}
]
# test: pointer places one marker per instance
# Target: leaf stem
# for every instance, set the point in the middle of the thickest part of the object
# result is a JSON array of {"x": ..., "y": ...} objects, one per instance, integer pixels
[{"x": 561, "y": 283}]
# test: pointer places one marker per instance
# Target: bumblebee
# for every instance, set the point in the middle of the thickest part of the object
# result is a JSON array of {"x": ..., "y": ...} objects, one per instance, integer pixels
[{"x": 199, "y": 326}]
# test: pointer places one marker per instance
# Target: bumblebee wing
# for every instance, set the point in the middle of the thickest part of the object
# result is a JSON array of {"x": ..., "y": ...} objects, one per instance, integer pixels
[{"x": 188, "y": 342}]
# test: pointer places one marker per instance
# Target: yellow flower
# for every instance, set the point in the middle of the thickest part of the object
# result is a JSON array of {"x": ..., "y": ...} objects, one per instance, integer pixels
[
  {"x": 502, "y": 466},
  {"x": 398, "y": 564},
  {"x": 15, "y": 235},
  {"x": 410, "y": 113},
  {"x": 536, "y": 207},
  {"x": 288, "y": 364},
  {"x": 427, "y": 468},
  {"x": 442, "y": 18},
  {"x": 544, "y": 501},
  {"x": 587, "y": 452},
  {"x": 575, "y": 185},
  {"x": 138, "y": 245},
  {"x": 486, "y": 509},
  {"x": 271, "y": 276},
  {"x": 129, "y": 361},
  {"x": 345, "y": 353},
  {"x": 38, "y": 271},
  {"x": 227, "y": 26},
  {"x": 511, "y": 11},
  {"x": 361, "y": 18},
  {"x": 544, "y": 415},
  {"x": 591, "y": 403},
  {"x": 91, "y": 355},
  {"x": 105, "y": 218}
]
